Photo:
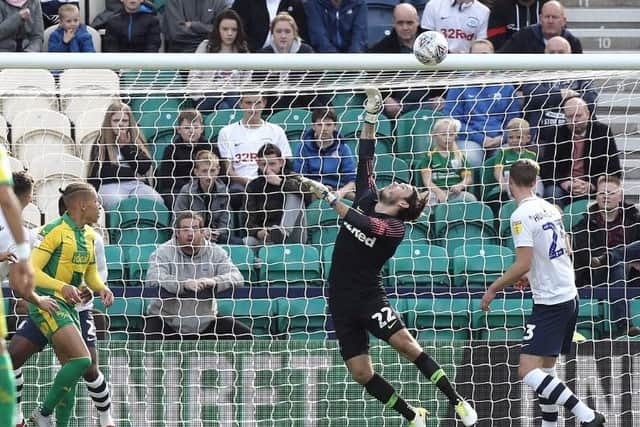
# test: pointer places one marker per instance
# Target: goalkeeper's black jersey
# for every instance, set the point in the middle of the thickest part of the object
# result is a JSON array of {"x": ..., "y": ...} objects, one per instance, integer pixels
[{"x": 366, "y": 240}]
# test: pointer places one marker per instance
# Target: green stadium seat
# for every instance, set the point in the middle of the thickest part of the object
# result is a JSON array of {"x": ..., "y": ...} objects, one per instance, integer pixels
[
  {"x": 290, "y": 265},
  {"x": 323, "y": 223},
  {"x": 419, "y": 264},
  {"x": 326, "y": 254},
  {"x": 344, "y": 101},
  {"x": 302, "y": 318},
  {"x": 418, "y": 231},
  {"x": 388, "y": 168},
  {"x": 480, "y": 265},
  {"x": 505, "y": 321},
  {"x": 159, "y": 143},
  {"x": 506, "y": 211},
  {"x": 156, "y": 115},
  {"x": 217, "y": 120},
  {"x": 413, "y": 135},
  {"x": 126, "y": 317},
  {"x": 350, "y": 121},
  {"x": 574, "y": 213},
  {"x": 294, "y": 122},
  {"x": 138, "y": 262},
  {"x": 115, "y": 265},
  {"x": 258, "y": 314},
  {"x": 591, "y": 322},
  {"x": 243, "y": 257},
  {"x": 461, "y": 223},
  {"x": 438, "y": 319},
  {"x": 139, "y": 221},
  {"x": 489, "y": 188}
]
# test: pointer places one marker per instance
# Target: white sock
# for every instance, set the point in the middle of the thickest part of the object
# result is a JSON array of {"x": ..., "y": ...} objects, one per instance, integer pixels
[
  {"x": 19, "y": 384},
  {"x": 557, "y": 392},
  {"x": 549, "y": 410}
]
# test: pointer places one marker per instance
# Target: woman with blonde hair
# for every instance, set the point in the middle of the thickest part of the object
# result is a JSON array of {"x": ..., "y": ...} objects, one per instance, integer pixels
[
  {"x": 444, "y": 170},
  {"x": 285, "y": 37},
  {"x": 119, "y": 160}
]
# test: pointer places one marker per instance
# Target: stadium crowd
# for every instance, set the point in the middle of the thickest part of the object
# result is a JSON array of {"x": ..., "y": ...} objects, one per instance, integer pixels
[{"x": 238, "y": 180}]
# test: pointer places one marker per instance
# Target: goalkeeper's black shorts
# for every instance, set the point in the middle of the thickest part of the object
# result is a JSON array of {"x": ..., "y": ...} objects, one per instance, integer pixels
[{"x": 352, "y": 323}]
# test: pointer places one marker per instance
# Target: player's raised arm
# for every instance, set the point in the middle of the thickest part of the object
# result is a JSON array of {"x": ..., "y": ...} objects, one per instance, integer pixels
[{"x": 366, "y": 145}]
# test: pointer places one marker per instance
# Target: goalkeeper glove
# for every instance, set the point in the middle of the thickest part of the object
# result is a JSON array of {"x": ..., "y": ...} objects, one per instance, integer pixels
[
  {"x": 373, "y": 106},
  {"x": 317, "y": 189}
]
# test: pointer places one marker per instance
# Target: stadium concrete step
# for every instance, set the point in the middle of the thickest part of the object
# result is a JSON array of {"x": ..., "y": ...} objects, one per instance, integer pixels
[
  {"x": 631, "y": 190},
  {"x": 629, "y": 144},
  {"x": 603, "y": 40},
  {"x": 609, "y": 17},
  {"x": 631, "y": 167},
  {"x": 622, "y": 123},
  {"x": 594, "y": 4}
]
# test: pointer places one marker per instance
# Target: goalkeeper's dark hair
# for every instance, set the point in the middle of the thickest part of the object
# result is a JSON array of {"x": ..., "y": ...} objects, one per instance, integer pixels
[
  {"x": 524, "y": 172},
  {"x": 22, "y": 183},
  {"x": 73, "y": 192},
  {"x": 417, "y": 203}
]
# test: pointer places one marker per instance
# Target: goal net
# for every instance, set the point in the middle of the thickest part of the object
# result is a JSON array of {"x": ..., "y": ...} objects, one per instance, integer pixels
[{"x": 72, "y": 123}]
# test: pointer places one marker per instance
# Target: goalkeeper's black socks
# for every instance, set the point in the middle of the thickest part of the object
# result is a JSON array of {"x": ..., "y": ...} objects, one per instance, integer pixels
[
  {"x": 436, "y": 375},
  {"x": 556, "y": 392},
  {"x": 379, "y": 388}
]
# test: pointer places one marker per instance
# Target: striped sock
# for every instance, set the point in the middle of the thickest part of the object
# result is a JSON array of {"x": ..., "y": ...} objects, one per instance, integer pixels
[
  {"x": 100, "y": 393},
  {"x": 7, "y": 391},
  {"x": 549, "y": 410},
  {"x": 436, "y": 375},
  {"x": 379, "y": 388},
  {"x": 17, "y": 373},
  {"x": 558, "y": 393}
]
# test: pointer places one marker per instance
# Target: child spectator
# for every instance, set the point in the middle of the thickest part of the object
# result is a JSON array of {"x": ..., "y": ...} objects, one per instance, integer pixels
[
  {"x": 227, "y": 36},
  {"x": 323, "y": 156},
  {"x": 444, "y": 170},
  {"x": 518, "y": 138},
  {"x": 119, "y": 160},
  {"x": 135, "y": 28},
  {"x": 177, "y": 162},
  {"x": 21, "y": 28},
  {"x": 71, "y": 35},
  {"x": 206, "y": 195},
  {"x": 51, "y": 10}
]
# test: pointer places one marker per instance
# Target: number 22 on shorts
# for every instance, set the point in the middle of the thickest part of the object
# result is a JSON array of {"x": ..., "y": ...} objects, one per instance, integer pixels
[{"x": 384, "y": 316}]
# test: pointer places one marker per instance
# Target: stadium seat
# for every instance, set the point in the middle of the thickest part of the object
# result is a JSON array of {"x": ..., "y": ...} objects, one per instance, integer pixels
[
  {"x": 326, "y": 253},
  {"x": 126, "y": 317},
  {"x": 95, "y": 37},
  {"x": 50, "y": 173},
  {"x": 379, "y": 19},
  {"x": 31, "y": 216},
  {"x": 139, "y": 221},
  {"x": 302, "y": 318},
  {"x": 461, "y": 223},
  {"x": 87, "y": 129},
  {"x": 41, "y": 132},
  {"x": 258, "y": 314},
  {"x": 388, "y": 168},
  {"x": 141, "y": 83},
  {"x": 505, "y": 321},
  {"x": 323, "y": 223},
  {"x": 349, "y": 123},
  {"x": 217, "y": 120},
  {"x": 480, "y": 265},
  {"x": 290, "y": 265},
  {"x": 85, "y": 89},
  {"x": 115, "y": 265},
  {"x": 156, "y": 115},
  {"x": 294, "y": 122},
  {"x": 243, "y": 257},
  {"x": 506, "y": 211},
  {"x": 137, "y": 263},
  {"x": 489, "y": 188},
  {"x": 4, "y": 132},
  {"x": 574, "y": 213},
  {"x": 419, "y": 264},
  {"x": 347, "y": 100},
  {"x": 438, "y": 319},
  {"x": 418, "y": 231},
  {"x": 413, "y": 136},
  {"x": 591, "y": 322},
  {"x": 24, "y": 90}
]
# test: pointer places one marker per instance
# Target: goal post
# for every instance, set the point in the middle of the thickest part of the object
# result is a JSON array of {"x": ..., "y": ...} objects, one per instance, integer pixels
[{"x": 291, "y": 373}]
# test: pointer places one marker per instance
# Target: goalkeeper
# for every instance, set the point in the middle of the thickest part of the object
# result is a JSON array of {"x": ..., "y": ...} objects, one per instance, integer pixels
[{"x": 370, "y": 233}]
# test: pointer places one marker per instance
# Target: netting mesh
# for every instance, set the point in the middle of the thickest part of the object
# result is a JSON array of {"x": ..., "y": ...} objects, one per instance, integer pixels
[{"x": 291, "y": 372}]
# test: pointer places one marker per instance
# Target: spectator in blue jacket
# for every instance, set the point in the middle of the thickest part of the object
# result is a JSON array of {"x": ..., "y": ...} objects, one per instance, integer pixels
[
  {"x": 337, "y": 26},
  {"x": 71, "y": 35},
  {"x": 484, "y": 112},
  {"x": 543, "y": 101},
  {"x": 135, "y": 28},
  {"x": 324, "y": 157}
]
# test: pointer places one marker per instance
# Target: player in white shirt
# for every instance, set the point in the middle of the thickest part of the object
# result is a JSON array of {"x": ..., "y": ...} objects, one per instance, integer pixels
[
  {"x": 543, "y": 254},
  {"x": 28, "y": 339},
  {"x": 461, "y": 21}
]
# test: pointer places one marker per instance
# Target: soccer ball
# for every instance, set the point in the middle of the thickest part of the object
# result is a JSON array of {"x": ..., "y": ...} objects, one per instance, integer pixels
[{"x": 431, "y": 47}]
